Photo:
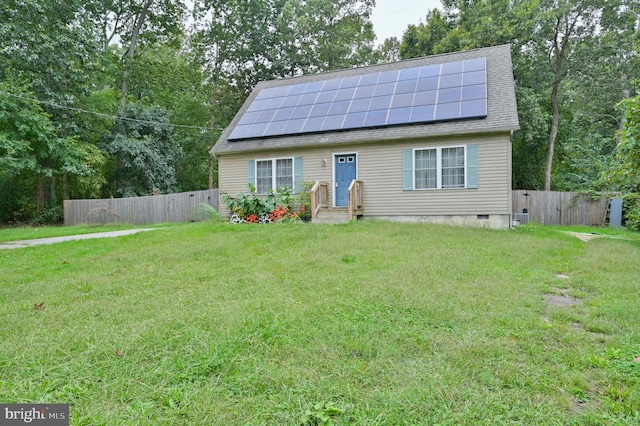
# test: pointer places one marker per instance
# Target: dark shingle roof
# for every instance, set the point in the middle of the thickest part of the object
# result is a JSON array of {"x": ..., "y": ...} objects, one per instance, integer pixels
[{"x": 501, "y": 107}]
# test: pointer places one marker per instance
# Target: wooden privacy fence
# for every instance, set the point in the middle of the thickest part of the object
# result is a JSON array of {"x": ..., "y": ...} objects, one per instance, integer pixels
[
  {"x": 561, "y": 208},
  {"x": 181, "y": 207}
]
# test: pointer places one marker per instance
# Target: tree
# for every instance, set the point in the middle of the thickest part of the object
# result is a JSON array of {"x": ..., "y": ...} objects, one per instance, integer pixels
[
  {"x": 48, "y": 46},
  {"x": 564, "y": 28},
  {"x": 625, "y": 174},
  {"x": 183, "y": 92},
  {"x": 145, "y": 151},
  {"x": 131, "y": 51},
  {"x": 426, "y": 38},
  {"x": 78, "y": 63},
  {"x": 323, "y": 35},
  {"x": 242, "y": 43},
  {"x": 389, "y": 50},
  {"x": 31, "y": 151}
]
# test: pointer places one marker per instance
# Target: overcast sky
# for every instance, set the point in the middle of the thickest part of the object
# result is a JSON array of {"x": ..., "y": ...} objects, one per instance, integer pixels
[{"x": 391, "y": 17}]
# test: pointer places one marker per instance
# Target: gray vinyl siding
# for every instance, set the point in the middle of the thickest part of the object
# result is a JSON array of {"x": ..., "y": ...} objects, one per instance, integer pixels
[
  {"x": 380, "y": 168},
  {"x": 381, "y": 171}
]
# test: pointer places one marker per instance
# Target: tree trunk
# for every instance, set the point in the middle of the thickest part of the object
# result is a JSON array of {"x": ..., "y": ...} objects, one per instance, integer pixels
[
  {"x": 125, "y": 77},
  {"x": 130, "y": 54},
  {"x": 552, "y": 135},
  {"x": 39, "y": 193},
  {"x": 563, "y": 31},
  {"x": 52, "y": 192},
  {"x": 65, "y": 186},
  {"x": 623, "y": 114}
]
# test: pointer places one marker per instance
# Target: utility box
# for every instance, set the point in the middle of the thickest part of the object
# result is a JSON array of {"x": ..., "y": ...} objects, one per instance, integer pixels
[{"x": 615, "y": 213}]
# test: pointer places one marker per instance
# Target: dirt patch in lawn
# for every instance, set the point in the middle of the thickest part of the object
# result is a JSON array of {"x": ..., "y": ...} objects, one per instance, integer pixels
[
  {"x": 579, "y": 406},
  {"x": 586, "y": 237},
  {"x": 561, "y": 300}
]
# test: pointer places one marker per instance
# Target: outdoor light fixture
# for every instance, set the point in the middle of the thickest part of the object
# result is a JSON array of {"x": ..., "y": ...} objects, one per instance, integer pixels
[{"x": 323, "y": 162}]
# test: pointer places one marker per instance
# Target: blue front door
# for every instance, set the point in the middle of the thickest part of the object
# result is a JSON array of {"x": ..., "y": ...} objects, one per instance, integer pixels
[{"x": 345, "y": 173}]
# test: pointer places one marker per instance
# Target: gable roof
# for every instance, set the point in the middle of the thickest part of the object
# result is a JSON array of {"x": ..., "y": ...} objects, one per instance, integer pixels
[{"x": 473, "y": 93}]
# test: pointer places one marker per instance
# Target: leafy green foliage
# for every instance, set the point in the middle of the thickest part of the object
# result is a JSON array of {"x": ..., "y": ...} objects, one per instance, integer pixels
[
  {"x": 426, "y": 38},
  {"x": 626, "y": 172},
  {"x": 250, "y": 204},
  {"x": 50, "y": 216},
  {"x": 253, "y": 207},
  {"x": 31, "y": 152},
  {"x": 631, "y": 211},
  {"x": 321, "y": 414},
  {"x": 305, "y": 200},
  {"x": 146, "y": 152},
  {"x": 240, "y": 43},
  {"x": 26, "y": 133},
  {"x": 79, "y": 57}
]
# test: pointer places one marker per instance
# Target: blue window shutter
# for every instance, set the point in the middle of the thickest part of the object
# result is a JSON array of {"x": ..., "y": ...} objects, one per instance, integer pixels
[
  {"x": 297, "y": 174},
  {"x": 472, "y": 166},
  {"x": 251, "y": 172},
  {"x": 407, "y": 170}
]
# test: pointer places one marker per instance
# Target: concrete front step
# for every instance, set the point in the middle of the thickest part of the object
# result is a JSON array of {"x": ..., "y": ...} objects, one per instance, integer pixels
[{"x": 332, "y": 216}]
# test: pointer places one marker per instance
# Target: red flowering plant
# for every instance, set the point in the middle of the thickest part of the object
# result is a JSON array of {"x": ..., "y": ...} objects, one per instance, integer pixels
[
  {"x": 278, "y": 213},
  {"x": 283, "y": 214},
  {"x": 252, "y": 218}
]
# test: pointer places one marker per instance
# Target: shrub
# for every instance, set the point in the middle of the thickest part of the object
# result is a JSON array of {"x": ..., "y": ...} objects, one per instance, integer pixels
[
  {"x": 52, "y": 216},
  {"x": 254, "y": 208},
  {"x": 305, "y": 201}
]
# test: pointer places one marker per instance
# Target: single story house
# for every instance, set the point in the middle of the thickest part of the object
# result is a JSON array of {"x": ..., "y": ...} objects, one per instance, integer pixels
[{"x": 425, "y": 139}]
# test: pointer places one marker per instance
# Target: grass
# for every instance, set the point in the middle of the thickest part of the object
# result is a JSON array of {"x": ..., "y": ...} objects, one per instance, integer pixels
[{"x": 369, "y": 323}]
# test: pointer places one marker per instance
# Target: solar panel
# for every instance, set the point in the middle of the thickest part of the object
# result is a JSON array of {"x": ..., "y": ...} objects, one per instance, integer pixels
[{"x": 425, "y": 94}]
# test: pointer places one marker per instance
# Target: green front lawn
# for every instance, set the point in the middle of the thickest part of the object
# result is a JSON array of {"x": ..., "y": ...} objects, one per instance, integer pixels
[{"x": 375, "y": 323}]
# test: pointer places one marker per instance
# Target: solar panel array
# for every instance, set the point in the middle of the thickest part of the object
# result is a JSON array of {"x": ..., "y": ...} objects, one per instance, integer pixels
[{"x": 430, "y": 93}]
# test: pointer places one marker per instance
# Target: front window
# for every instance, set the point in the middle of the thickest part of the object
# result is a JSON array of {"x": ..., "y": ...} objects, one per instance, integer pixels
[
  {"x": 264, "y": 176},
  {"x": 266, "y": 179},
  {"x": 439, "y": 168},
  {"x": 453, "y": 167},
  {"x": 284, "y": 173},
  {"x": 426, "y": 169}
]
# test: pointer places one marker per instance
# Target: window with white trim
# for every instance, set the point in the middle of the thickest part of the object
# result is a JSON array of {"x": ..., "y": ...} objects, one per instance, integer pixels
[
  {"x": 266, "y": 179},
  {"x": 452, "y": 167},
  {"x": 439, "y": 168}
]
